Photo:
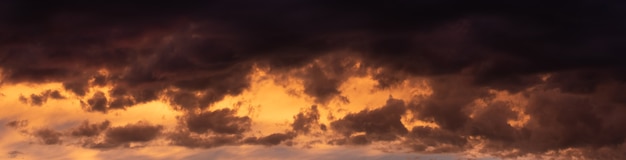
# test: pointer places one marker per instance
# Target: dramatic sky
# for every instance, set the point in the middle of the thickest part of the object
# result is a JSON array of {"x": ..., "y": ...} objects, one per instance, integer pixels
[{"x": 313, "y": 79}]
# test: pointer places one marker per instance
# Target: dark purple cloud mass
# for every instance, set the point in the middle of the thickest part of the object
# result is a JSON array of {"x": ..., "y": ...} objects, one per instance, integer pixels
[{"x": 565, "y": 58}]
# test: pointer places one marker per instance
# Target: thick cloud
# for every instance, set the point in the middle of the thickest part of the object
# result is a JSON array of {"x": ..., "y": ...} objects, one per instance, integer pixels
[
  {"x": 448, "y": 104},
  {"x": 223, "y": 121},
  {"x": 435, "y": 140},
  {"x": 322, "y": 78},
  {"x": 209, "y": 47},
  {"x": 557, "y": 119},
  {"x": 378, "y": 124},
  {"x": 565, "y": 120},
  {"x": 222, "y": 127},
  {"x": 123, "y": 135},
  {"x": 563, "y": 57},
  {"x": 90, "y": 130},
  {"x": 98, "y": 102},
  {"x": 139, "y": 132}
]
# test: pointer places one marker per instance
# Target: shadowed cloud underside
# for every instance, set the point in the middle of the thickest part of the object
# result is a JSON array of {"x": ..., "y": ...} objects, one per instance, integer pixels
[{"x": 479, "y": 79}]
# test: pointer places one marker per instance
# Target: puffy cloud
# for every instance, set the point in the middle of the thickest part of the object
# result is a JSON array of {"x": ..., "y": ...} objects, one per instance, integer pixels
[
  {"x": 564, "y": 59},
  {"x": 223, "y": 121},
  {"x": 89, "y": 130},
  {"x": 40, "y": 99},
  {"x": 123, "y": 135},
  {"x": 98, "y": 102},
  {"x": 378, "y": 124},
  {"x": 304, "y": 121}
]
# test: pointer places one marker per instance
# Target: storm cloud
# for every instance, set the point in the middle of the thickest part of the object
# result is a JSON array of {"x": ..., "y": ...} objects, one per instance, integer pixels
[{"x": 560, "y": 61}]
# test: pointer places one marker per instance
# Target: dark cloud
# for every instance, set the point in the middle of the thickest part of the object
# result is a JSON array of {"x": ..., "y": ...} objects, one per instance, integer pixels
[
  {"x": 222, "y": 127},
  {"x": 37, "y": 100},
  {"x": 439, "y": 140},
  {"x": 100, "y": 135},
  {"x": 579, "y": 81},
  {"x": 564, "y": 120},
  {"x": 564, "y": 57},
  {"x": 193, "y": 140},
  {"x": 139, "y": 132},
  {"x": 304, "y": 121},
  {"x": 120, "y": 103},
  {"x": 322, "y": 78},
  {"x": 379, "y": 124},
  {"x": 351, "y": 140},
  {"x": 270, "y": 140},
  {"x": 41, "y": 98},
  {"x": 98, "y": 102},
  {"x": 448, "y": 105},
  {"x": 492, "y": 122},
  {"x": 209, "y": 48},
  {"x": 79, "y": 87},
  {"x": 558, "y": 119},
  {"x": 121, "y": 136},
  {"x": 90, "y": 130},
  {"x": 55, "y": 94},
  {"x": 48, "y": 136},
  {"x": 100, "y": 80},
  {"x": 319, "y": 85},
  {"x": 223, "y": 121}
]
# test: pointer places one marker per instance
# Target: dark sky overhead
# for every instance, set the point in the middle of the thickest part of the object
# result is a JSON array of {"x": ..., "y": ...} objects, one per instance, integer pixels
[{"x": 313, "y": 79}]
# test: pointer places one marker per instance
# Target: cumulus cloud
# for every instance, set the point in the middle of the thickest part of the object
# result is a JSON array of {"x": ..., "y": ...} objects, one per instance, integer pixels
[
  {"x": 42, "y": 98},
  {"x": 222, "y": 127}
]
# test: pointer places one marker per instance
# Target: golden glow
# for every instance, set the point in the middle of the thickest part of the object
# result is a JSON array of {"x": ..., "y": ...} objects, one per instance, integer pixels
[{"x": 271, "y": 102}]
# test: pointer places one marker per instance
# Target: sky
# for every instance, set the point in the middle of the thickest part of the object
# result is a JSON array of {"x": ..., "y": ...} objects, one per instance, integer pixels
[{"x": 313, "y": 79}]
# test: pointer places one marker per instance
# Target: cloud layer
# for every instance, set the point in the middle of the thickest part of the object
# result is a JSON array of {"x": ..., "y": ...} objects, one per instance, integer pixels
[{"x": 507, "y": 78}]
